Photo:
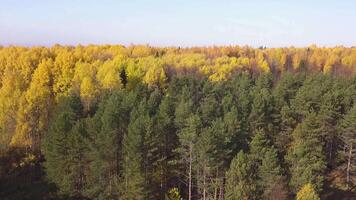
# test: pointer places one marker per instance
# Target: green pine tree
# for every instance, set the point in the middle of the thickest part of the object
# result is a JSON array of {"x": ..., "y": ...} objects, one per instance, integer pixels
[
  {"x": 306, "y": 156},
  {"x": 240, "y": 179}
]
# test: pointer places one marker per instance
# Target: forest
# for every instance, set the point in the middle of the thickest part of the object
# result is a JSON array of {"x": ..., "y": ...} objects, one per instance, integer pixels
[{"x": 209, "y": 123}]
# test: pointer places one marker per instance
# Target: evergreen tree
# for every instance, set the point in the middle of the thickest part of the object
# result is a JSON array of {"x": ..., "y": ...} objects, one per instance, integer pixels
[
  {"x": 262, "y": 115},
  {"x": 133, "y": 180},
  {"x": 166, "y": 141},
  {"x": 265, "y": 164},
  {"x": 205, "y": 165},
  {"x": 348, "y": 138},
  {"x": 239, "y": 183},
  {"x": 106, "y": 145},
  {"x": 60, "y": 145},
  {"x": 270, "y": 179},
  {"x": 188, "y": 137},
  {"x": 306, "y": 156}
]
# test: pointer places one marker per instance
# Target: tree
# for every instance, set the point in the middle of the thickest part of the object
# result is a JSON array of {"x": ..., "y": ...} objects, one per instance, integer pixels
[
  {"x": 265, "y": 164},
  {"x": 88, "y": 92},
  {"x": 262, "y": 113},
  {"x": 219, "y": 145},
  {"x": 173, "y": 194},
  {"x": 306, "y": 156},
  {"x": 187, "y": 137},
  {"x": 133, "y": 183},
  {"x": 63, "y": 71},
  {"x": 271, "y": 181},
  {"x": 109, "y": 76},
  {"x": 239, "y": 182},
  {"x": 204, "y": 162},
  {"x": 307, "y": 193},
  {"x": 348, "y": 137},
  {"x": 165, "y": 141},
  {"x": 34, "y": 110},
  {"x": 110, "y": 126},
  {"x": 65, "y": 149},
  {"x": 10, "y": 92}
]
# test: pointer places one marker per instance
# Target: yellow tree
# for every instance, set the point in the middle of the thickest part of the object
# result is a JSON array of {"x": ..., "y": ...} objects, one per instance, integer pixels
[
  {"x": 34, "y": 108},
  {"x": 331, "y": 64},
  {"x": 63, "y": 71},
  {"x": 84, "y": 82},
  {"x": 10, "y": 92},
  {"x": 88, "y": 92},
  {"x": 109, "y": 75},
  {"x": 262, "y": 63},
  {"x": 307, "y": 193},
  {"x": 155, "y": 76}
]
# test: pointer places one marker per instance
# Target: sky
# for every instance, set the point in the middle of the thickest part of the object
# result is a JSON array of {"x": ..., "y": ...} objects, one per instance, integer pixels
[{"x": 271, "y": 23}]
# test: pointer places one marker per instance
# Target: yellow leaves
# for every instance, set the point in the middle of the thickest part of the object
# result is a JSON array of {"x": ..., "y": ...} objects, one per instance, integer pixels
[
  {"x": 222, "y": 73},
  {"x": 63, "y": 72},
  {"x": 109, "y": 73},
  {"x": 224, "y": 67},
  {"x": 297, "y": 61},
  {"x": 173, "y": 194},
  {"x": 33, "y": 114},
  {"x": 88, "y": 89},
  {"x": 141, "y": 50},
  {"x": 154, "y": 74},
  {"x": 84, "y": 81},
  {"x": 244, "y": 62},
  {"x": 307, "y": 193},
  {"x": 41, "y": 83},
  {"x": 264, "y": 66},
  {"x": 111, "y": 80},
  {"x": 83, "y": 70},
  {"x": 262, "y": 63},
  {"x": 28, "y": 160},
  {"x": 21, "y": 137},
  {"x": 330, "y": 64}
]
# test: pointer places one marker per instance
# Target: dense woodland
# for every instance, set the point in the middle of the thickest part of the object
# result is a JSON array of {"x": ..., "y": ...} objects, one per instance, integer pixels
[{"x": 214, "y": 123}]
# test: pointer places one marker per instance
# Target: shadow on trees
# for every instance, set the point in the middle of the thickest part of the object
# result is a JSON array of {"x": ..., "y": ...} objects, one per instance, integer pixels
[{"x": 22, "y": 177}]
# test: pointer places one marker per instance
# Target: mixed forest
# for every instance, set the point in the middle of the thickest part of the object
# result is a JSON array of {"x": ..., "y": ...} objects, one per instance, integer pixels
[{"x": 211, "y": 123}]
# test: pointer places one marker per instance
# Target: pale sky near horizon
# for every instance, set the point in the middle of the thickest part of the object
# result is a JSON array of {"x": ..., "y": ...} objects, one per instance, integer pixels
[{"x": 271, "y": 23}]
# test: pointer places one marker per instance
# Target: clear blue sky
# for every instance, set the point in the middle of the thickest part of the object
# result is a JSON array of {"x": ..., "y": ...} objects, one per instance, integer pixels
[{"x": 271, "y": 23}]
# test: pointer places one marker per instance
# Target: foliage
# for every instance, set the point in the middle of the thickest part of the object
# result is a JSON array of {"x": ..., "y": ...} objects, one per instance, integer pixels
[
  {"x": 307, "y": 192},
  {"x": 109, "y": 122}
]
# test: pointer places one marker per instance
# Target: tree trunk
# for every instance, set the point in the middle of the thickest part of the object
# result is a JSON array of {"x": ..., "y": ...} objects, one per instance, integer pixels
[
  {"x": 216, "y": 184},
  {"x": 204, "y": 184},
  {"x": 349, "y": 166},
  {"x": 190, "y": 173},
  {"x": 221, "y": 190}
]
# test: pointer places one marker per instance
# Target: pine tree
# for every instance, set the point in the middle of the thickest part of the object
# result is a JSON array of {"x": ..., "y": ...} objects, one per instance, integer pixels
[
  {"x": 133, "y": 180},
  {"x": 65, "y": 148},
  {"x": 262, "y": 115},
  {"x": 271, "y": 181},
  {"x": 106, "y": 147},
  {"x": 205, "y": 164},
  {"x": 348, "y": 137},
  {"x": 188, "y": 137},
  {"x": 306, "y": 156},
  {"x": 239, "y": 182},
  {"x": 265, "y": 163},
  {"x": 166, "y": 141}
]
